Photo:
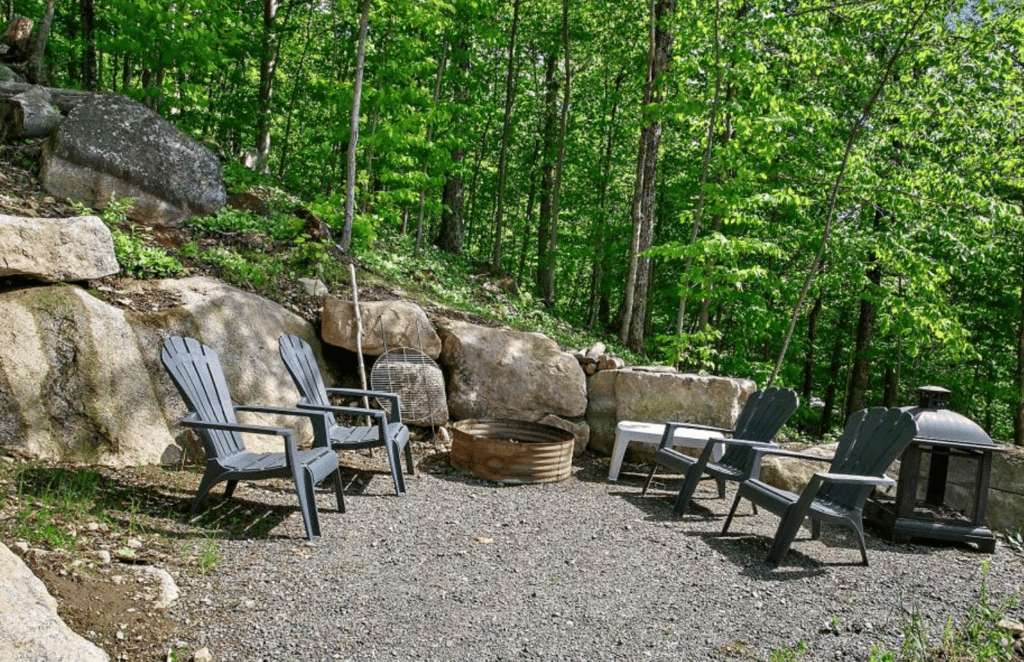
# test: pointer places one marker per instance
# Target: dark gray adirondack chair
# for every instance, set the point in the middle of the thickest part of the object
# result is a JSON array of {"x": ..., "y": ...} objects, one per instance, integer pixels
[
  {"x": 196, "y": 372},
  {"x": 763, "y": 414},
  {"x": 393, "y": 436},
  {"x": 871, "y": 440}
]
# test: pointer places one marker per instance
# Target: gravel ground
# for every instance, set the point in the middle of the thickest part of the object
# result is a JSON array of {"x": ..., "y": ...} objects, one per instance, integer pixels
[{"x": 464, "y": 569}]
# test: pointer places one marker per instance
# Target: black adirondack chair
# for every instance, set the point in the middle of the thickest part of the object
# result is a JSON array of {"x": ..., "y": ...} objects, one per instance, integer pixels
[
  {"x": 763, "y": 414},
  {"x": 196, "y": 372},
  {"x": 393, "y": 435},
  {"x": 871, "y": 440}
]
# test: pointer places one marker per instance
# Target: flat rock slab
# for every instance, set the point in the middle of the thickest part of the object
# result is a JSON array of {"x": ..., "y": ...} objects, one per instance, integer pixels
[{"x": 56, "y": 249}]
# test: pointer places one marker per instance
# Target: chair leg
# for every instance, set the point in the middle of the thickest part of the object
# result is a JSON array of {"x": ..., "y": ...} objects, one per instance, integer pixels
[
  {"x": 732, "y": 511},
  {"x": 230, "y": 489},
  {"x": 859, "y": 530},
  {"x": 395, "y": 462},
  {"x": 650, "y": 477},
  {"x": 205, "y": 485},
  {"x": 693, "y": 475},
  {"x": 721, "y": 488},
  {"x": 339, "y": 490},
  {"x": 789, "y": 526},
  {"x": 408, "y": 458},
  {"x": 304, "y": 485}
]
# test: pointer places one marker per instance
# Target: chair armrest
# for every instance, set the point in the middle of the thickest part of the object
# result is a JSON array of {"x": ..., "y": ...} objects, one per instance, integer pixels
[
  {"x": 670, "y": 430},
  {"x": 782, "y": 452},
  {"x": 379, "y": 414},
  {"x": 396, "y": 412},
  {"x": 698, "y": 426},
  {"x": 191, "y": 421},
  {"x": 318, "y": 419},
  {"x": 853, "y": 479},
  {"x": 290, "y": 449}
]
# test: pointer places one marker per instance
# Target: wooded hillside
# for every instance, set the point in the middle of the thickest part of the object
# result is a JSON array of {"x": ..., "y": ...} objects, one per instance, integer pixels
[{"x": 824, "y": 195}]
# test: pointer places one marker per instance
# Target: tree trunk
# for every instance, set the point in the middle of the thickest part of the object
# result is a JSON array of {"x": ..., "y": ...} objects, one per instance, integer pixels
[
  {"x": 1018, "y": 414},
  {"x": 547, "y": 167},
  {"x": 268, "y": 66},
  {"x": 835, "y": 369},
  {"x": 307, "y": 41},
  {"x": 36, "y": 70},
  {"x": 442, "y": 61},
  {"x": 506, "y": 137},
  {"x": 856, "y": 397},
  {"x": 28, "y": 115},
  {"x": 549, "y": 291},
  {"x": 88, "y": 12},
  {"x": 357, "y": 91},
  {"x": 634, "y": 306},
  {"x": 597, "y": 272},
  {"x": 812, "y": 334}
]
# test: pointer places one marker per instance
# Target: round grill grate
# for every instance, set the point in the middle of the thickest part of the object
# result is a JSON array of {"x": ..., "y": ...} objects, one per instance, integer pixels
[{"x": 417, "y": 380}]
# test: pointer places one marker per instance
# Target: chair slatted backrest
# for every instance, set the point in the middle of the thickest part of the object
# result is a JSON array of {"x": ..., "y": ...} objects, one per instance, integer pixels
[
  {"x": 764, "y": 413},
  {"x": 872, "y": 440},
  {"x": 196, "y": 372},
  {"x": 301, "y": 363}
]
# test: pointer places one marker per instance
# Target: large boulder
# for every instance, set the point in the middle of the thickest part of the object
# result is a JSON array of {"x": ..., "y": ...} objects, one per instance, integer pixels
[
  {"x": 81, "y": 379},
  {"x": 30, "y": 628},
  {"x": 659, "y": 396},
  {"x": 56, "y": 249},
  {"x": 73, "y": 382},
  {"x": 111, "y": 145},
  {"x": 501, "y": 373},
  {"x": 386, "y": 325}
]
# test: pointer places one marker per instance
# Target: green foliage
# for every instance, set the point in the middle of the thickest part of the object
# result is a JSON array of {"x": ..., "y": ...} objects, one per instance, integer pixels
[
  {"x": 53, "y": 503},
  {"x": 331, "y": 210},
  {"x": 140, "y": 259},
  {"x": 134, "y": 250},
  {"x": 231, "y": 221},
  {"x": 978, "y": 637}
]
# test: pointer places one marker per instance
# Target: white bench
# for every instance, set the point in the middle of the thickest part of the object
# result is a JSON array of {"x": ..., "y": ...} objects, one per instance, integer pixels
[{"x": 651, "y": 433}]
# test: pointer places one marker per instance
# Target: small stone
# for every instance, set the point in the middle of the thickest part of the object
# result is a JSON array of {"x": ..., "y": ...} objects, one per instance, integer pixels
[
  {"x": 1012, "y": 627},
  {"x": 21, "y": 546},
  {"x": 102, "y": 557},
  {"x": 202, "y": 655},
  {"x": 134, "y": 543},
  {"x": 92, "y": 526}
]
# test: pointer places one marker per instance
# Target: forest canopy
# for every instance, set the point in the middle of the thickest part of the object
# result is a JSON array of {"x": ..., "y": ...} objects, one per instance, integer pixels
[{"x": 825, "y": 195}]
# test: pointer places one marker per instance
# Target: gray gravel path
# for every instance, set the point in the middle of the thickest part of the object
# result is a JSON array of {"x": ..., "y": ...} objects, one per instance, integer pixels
[{"x": 463, "y": 569}]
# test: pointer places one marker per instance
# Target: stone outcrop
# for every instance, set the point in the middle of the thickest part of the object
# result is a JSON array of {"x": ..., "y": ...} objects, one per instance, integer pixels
[
  {"x": 386, "y": 325},
  {"x": 56, "y": 250},
  {"x": 659, "y": 396},
  {"x": 500, "y": 373},
  {"x": 30, "y": 628},
  {"x": 111, "y": 145},
  {"x": 81, "y": 379}
]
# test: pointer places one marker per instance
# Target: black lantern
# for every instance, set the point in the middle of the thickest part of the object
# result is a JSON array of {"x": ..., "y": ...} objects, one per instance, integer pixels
[{"x": 942, "y": 434}]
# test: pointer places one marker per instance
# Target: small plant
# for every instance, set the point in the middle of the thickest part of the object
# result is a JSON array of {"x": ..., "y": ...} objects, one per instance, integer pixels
[
  {"x": 789, "y": 654},
  {"x": 209, "y": 556}
]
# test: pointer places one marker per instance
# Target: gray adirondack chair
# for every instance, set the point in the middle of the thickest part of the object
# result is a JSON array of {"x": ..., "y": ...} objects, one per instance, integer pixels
[
  {"x": 871, "y": 440},
  {"x": 393, "y": 435},
  {"x": 196, "y": 372},
  {"x": 763, "y": 414}
]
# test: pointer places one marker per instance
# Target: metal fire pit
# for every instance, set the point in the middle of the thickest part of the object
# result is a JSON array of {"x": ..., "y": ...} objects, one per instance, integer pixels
[
  {"x": 514, "y": 452},
  {"x": 942, "y": 435}
]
